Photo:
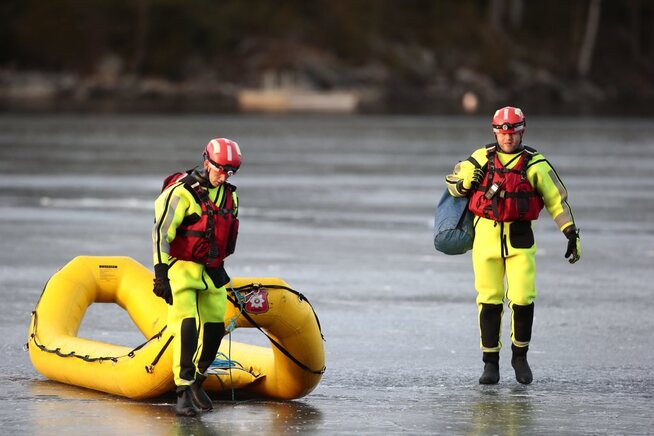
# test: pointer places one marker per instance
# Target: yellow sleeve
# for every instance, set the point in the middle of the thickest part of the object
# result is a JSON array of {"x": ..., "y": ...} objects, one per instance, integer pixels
[
  {"x": 546, "y": 181},
  {"x": 235, "y": 199},
  {"x": 170, "y": 209},
  {"x": 460, "y": 181}
]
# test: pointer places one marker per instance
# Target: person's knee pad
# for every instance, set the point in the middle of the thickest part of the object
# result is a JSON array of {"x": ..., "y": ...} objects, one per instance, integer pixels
[
  {"x": 188, "y": 336},
  {"x": 213, "y": 334},
  {"x": 490, "y": 320},
  {"x": 523, "y": 319}
]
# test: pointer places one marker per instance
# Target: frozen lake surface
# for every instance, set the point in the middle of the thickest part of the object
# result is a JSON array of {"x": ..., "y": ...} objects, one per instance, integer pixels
[{"x": 341, "y": 208}]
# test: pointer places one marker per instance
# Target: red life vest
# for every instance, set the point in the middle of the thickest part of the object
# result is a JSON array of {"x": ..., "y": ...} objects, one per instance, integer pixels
[
  {"x": 506, "y": 194},
  {"x": 207, "y": 239}
]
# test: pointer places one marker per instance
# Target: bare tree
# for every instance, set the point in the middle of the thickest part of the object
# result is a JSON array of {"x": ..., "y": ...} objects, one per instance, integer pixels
[
  {"x": 590, "y": 35},
  {"x": 516, "y": 10},
  {"x": 141, "y": 30},
  {"x": 496, "y": 9}
]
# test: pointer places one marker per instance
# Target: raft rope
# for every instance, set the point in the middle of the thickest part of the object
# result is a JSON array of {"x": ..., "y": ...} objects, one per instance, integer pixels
[
  {"x": 256, "y": 286},
  {"x": 88, "y": 358},
  {"x": 231, "y": 381},
  {"x": 241, "y": 301},
  {"x": 230, "y": 328},
  {"x": 228, "y": 363},
  {"x": 224, "y": 361}
]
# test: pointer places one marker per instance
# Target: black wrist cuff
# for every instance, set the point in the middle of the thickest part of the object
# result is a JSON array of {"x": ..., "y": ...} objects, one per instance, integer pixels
[
  {"x": 571, "y": 232},
  {"x": 161, "y": 271}
]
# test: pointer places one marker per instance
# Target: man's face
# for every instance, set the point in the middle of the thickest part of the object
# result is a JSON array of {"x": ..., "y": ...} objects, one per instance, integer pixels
[{"x": 509, "y": 142}]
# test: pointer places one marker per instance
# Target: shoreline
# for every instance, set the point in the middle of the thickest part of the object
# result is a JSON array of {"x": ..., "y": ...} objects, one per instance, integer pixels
[{"x": 39, "y": 92}]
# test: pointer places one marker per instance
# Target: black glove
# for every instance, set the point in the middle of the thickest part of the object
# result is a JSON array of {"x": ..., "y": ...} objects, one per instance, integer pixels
[
  {"x": 161, "y": 283},
  {"x": 573, "y": 251}
]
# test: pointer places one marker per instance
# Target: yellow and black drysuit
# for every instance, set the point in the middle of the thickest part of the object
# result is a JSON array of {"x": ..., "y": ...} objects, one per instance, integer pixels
[
  {"x": 512, "y": 191},
  {"x": 183, "y": 241}
]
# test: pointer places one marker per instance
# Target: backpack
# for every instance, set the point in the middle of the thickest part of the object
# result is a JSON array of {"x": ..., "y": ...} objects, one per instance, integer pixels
[
  {"x": 454, "y": 230},
  {"x": 173, "y": 178}
]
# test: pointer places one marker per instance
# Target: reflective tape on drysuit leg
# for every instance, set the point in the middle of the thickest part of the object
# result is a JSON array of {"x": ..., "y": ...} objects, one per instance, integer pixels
[{"x": 502, "y": 253}]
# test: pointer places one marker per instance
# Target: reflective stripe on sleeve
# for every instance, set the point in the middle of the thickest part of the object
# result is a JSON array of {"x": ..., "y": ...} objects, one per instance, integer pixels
[
  {"x": 162, "y": 227},
  {"x": 565, "y": 216}
]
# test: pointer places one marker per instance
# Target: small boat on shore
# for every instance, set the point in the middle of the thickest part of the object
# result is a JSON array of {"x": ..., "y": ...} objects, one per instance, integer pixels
[
  {"x": 297, "y": 100},
  {"x": 290, "y": 368}
]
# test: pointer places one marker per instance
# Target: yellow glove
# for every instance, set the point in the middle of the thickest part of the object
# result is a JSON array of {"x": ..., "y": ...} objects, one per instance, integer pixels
[{"x": 475, "y": 180}]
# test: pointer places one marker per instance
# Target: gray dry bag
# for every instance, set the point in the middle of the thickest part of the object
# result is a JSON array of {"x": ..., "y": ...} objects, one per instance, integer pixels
[{"x": 454, "y": 229}]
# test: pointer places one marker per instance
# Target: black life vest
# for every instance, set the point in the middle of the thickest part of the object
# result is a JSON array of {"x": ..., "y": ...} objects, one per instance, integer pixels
[
  {"x": 207, "y": 239},
  {"x": 515, "y": 198}
]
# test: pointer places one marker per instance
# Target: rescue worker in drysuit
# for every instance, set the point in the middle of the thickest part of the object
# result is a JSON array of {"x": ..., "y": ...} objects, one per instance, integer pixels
[
  {"x": 195, "y": 228},
  {"x": 508, "y": 185}
]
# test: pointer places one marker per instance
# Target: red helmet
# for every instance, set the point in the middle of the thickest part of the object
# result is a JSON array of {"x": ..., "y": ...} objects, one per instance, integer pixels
[
  {"x": 223, "y": 154},
  {"x": 509, "y": 120}
]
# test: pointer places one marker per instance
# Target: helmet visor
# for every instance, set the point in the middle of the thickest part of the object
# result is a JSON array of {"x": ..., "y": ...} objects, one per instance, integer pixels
[
  {"x": 508, "y": 127},
  {"x": 227, "y": 169}
]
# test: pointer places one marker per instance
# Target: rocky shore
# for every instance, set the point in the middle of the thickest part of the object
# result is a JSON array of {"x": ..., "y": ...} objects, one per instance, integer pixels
[{"x": 421, "y": 86}]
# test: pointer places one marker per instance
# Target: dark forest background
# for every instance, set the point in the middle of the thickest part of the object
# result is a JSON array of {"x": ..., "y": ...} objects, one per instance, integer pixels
[{"x": 555, "y": 56}]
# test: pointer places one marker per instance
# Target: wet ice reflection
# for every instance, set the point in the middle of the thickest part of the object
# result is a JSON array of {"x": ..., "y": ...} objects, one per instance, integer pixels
[{"x": 341, "y": 208}]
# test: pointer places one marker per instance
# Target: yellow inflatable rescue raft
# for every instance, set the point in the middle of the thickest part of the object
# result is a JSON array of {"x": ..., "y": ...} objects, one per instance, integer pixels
[{"x": 290, "y": 368}]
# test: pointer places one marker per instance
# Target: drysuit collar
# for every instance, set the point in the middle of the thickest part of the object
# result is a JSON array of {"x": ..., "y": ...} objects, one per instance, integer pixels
[{"x": 200, "y": 174}]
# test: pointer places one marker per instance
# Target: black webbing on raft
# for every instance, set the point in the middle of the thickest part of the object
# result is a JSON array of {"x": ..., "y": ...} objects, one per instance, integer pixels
[
  {"x": 86, "y": 357},
  {"x": 252, "y": 286},
  {"x": 150, "y": 368}
]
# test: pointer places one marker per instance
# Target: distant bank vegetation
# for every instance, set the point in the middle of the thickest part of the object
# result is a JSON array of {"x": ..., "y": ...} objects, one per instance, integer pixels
[{"x": 421, "y": 55}]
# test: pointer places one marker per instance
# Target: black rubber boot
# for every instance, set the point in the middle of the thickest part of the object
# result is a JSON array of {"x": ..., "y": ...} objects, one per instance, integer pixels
[
  {"x": 520, "y": 365},
  {"x": 184, "y": 406},
  {"x": 200, "y": 398},
  {"x": 491, "y": 374}
]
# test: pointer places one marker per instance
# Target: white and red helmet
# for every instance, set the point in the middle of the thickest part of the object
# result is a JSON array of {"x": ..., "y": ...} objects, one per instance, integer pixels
[
  {"x": 223, "y": 154},
  {"x": 509, "y": 119}
]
